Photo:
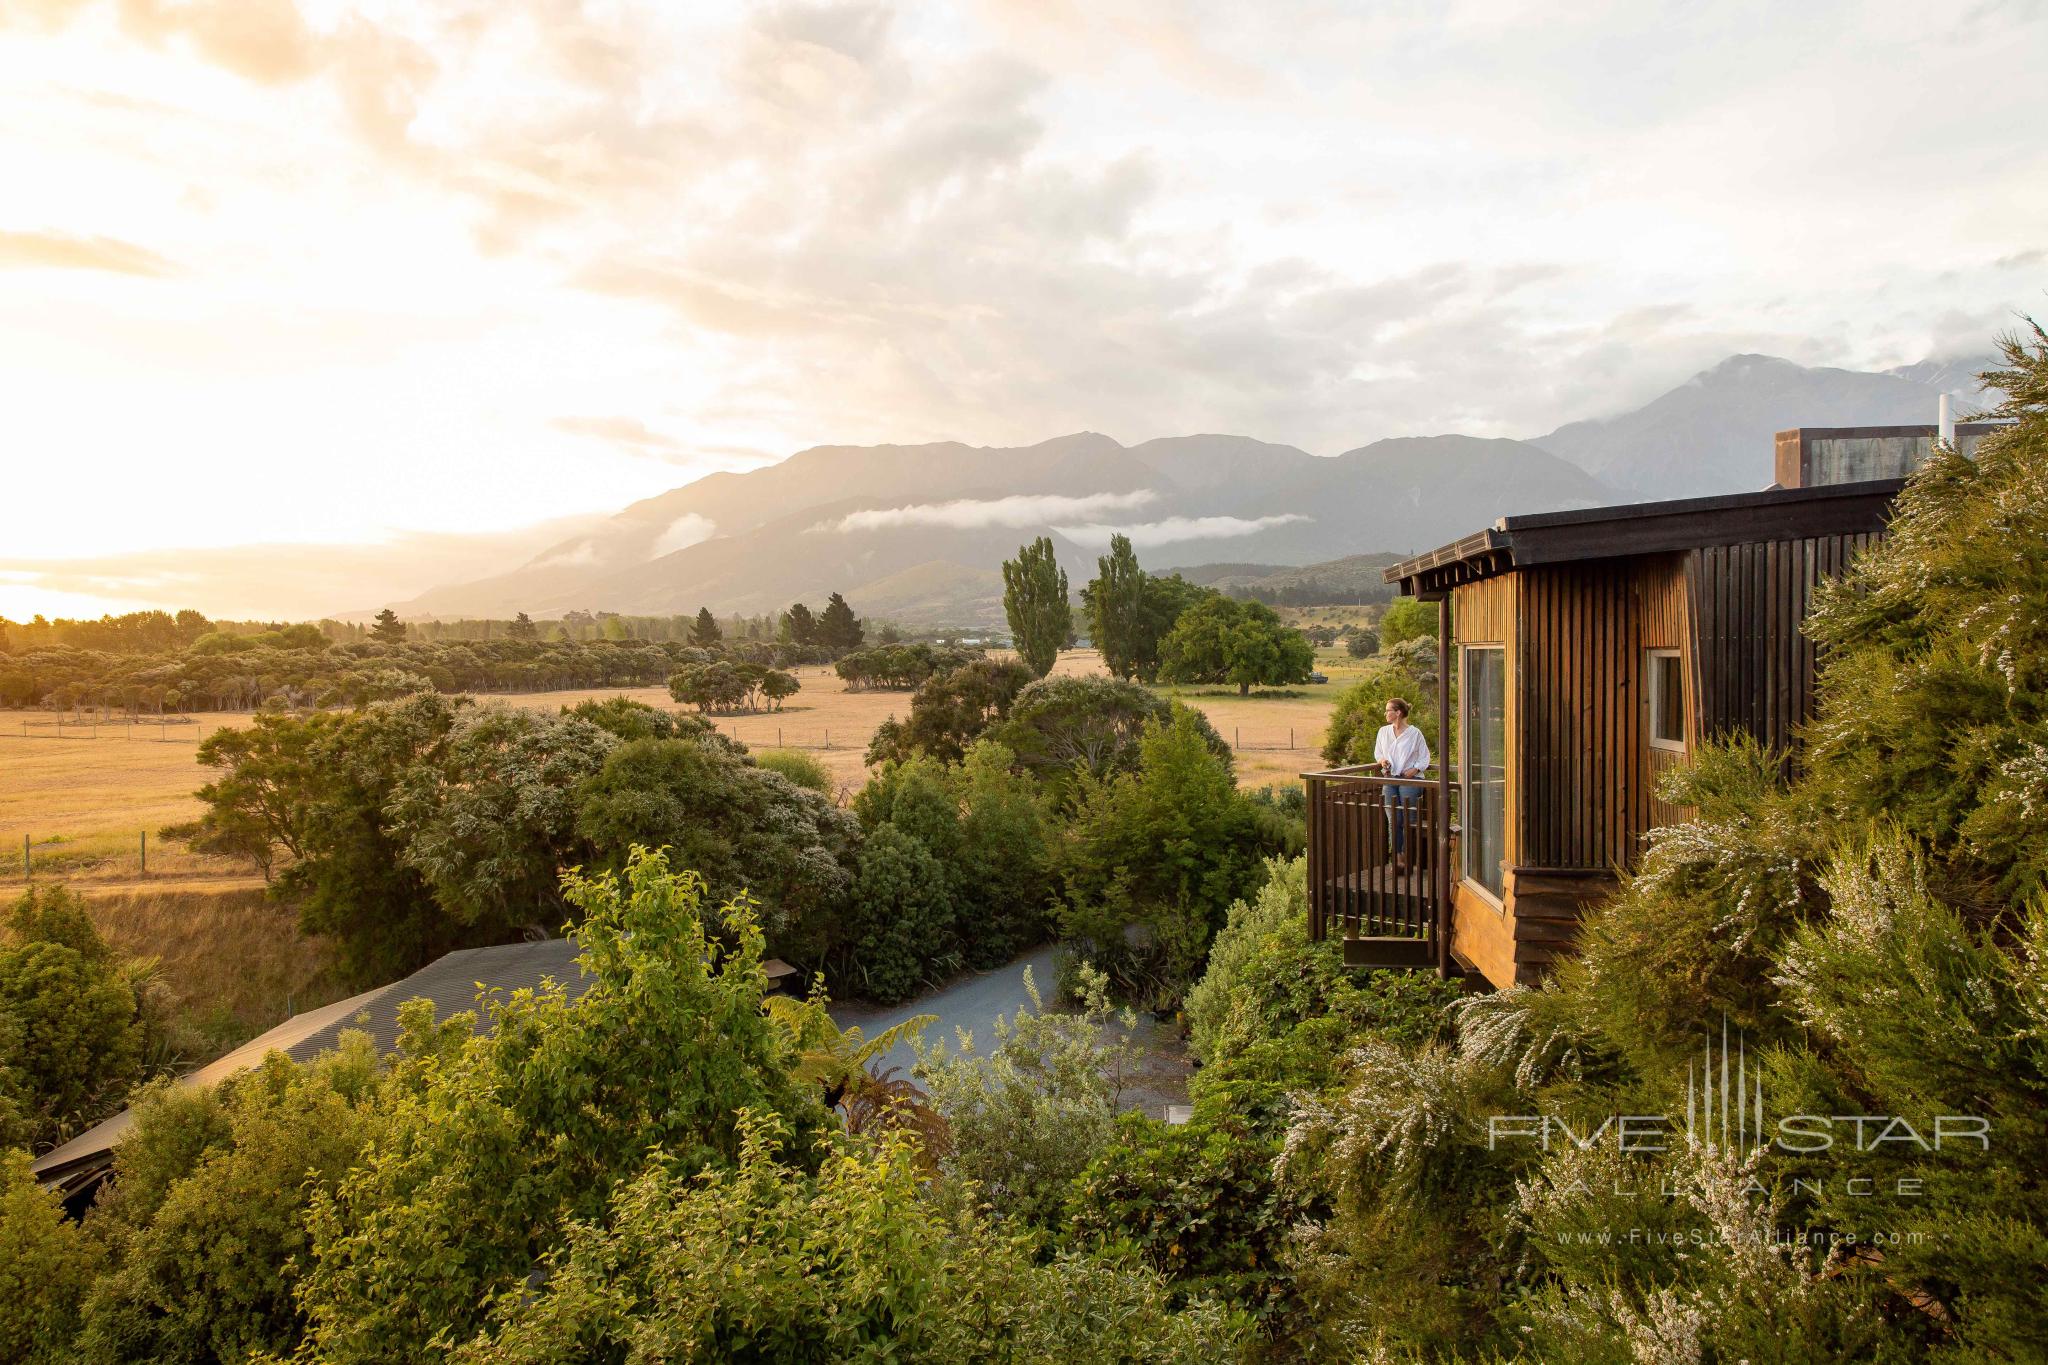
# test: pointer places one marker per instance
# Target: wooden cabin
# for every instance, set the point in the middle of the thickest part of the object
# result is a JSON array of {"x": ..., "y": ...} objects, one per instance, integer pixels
[{"x": 1593, "y": 650}]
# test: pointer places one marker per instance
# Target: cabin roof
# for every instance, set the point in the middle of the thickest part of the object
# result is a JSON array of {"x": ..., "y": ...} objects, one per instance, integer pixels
[{"x": 1647, "y": 528}]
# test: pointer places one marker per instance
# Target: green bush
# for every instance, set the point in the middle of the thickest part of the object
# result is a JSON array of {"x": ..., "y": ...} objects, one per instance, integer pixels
[
  {"x": 47, "y": 1266},
  {"x": 1197, "y": 1202},
  {"x": 799, "y": 767},
  {"x": 210, "y": 1261},
  {"x": 767, "y": 1263},
  {"x": 1360, "y": 711},
  {"x": 1027, "y": 1115},
  {"x": 902, "y": 923},
  {"x": 1150, "y": 861},
  {"x": 71, "y": 1038},
  {"x": 493, "y": 1146}
]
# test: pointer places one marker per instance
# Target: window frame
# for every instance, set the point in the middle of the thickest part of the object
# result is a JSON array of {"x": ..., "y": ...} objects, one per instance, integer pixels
[
  {"x": 1653, "y": 693},
  {"x": 1468, "y": 785}
]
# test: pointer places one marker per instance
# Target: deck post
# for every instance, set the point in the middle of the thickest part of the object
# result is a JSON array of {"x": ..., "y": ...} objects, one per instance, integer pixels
[{"x": 1443, "y": 785}]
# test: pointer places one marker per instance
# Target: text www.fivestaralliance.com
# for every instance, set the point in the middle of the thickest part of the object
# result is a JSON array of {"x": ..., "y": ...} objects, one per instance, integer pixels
[{"x": 1707, "y": 1237}]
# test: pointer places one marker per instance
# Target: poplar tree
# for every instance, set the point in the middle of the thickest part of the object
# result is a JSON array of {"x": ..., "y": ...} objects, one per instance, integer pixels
[
  {"x": 1035, "y": 600},
  {"x": 1115, "y": 607}
]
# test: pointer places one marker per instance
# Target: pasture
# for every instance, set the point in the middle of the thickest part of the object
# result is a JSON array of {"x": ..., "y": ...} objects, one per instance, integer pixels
[{"x": 83, "y": 802}]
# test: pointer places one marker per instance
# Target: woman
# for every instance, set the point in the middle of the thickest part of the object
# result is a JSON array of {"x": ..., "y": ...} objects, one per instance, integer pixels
[{"x": 1400, "y": 751}]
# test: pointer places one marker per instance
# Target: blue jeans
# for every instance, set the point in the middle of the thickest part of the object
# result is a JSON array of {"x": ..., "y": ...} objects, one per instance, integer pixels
[{"x": 1403, "y": 804}]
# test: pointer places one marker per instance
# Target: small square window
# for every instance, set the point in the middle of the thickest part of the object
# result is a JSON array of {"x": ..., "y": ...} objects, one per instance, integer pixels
[{"x": 1666, "y": 689}]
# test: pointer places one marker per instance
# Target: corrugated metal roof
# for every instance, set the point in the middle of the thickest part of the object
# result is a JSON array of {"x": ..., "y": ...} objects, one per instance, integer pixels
[{"x": 452, "y": 982}]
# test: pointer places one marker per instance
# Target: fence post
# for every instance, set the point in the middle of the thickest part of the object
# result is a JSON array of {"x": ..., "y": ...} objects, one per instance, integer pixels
[
  {"x": 1290, "y": 739},
  {"x": 1236, "y": 738},
  {"x": 142, "y": 850},
  {"x": 27, "y": 868}
]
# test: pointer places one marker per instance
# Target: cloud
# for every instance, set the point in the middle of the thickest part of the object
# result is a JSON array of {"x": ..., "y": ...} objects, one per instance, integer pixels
[
  {"x": 968, "y": 514},
  {"x": 630, "y": 432},
  {"x": 66, "y": 252},
  {"x": 1172, "y": 529},
  {"x": 685, "y": 531},
  {"x": 275, "y": 581}
]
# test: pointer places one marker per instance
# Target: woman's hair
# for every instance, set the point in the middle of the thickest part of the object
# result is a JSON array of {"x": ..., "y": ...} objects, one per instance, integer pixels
[{"x": 1398, "y": 705}]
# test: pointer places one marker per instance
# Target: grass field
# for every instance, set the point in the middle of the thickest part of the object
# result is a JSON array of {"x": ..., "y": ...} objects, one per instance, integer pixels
[{"x": 83, "y": 803}]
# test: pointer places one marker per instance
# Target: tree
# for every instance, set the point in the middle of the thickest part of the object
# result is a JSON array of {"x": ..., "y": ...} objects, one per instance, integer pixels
[
  {"x": 70, "y": 1041},
  {"x": 950, "y": 711},
  {"x": 1406, "y": 619},
  {"x": 798, "y": 627},
  {"x": 1166, "y": 848},
  {"x": 1115, "y": 605},
  {"x": 1035, "y": 601},
  {"x": 1225, "y": 641},
  {"x": 1361, "y": 643},
  {"x": 388, "y": 628},
  {"x": 838, "y": 629},
  {"x": 902, "y": 917},
  {"x": 742, "y": 828},
  {"x": 490, "y": 825},
  {"x": 705, "y": 633},
  {"x": 523, "y": 628},
  {"x": 1059, "y": 727},
  {"x": 313, "y": 791}
]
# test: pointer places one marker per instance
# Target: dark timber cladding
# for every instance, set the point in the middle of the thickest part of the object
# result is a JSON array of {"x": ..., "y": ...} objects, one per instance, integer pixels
[{"x": 1755, "y": 665}]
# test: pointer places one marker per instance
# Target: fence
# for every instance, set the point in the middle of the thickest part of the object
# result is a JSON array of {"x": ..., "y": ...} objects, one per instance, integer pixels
[
  {"x": 187, "y": 729},
  {"x": 63, "y": 863}
]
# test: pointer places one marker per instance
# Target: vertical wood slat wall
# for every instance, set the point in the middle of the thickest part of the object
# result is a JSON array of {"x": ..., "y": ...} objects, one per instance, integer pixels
[{"x": 1756, "y": 667}]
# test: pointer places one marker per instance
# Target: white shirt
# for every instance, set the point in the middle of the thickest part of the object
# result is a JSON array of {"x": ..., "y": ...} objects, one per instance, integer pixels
[{"x": 1403, "y": 753}]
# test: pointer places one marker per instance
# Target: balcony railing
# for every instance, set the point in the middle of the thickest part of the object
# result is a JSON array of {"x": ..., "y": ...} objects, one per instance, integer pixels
[{"x": 1376, "y": 851}]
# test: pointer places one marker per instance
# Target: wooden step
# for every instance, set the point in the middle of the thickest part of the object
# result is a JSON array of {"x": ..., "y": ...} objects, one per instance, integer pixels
[{"x": 1387, "y": 951}]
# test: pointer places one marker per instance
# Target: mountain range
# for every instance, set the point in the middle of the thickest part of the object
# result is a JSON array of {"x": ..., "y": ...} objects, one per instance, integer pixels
[{"x": 915, "y": 533}]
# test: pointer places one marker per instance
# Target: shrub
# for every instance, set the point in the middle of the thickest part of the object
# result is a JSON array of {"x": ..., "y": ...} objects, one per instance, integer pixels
[
  {"x": 766, "y": 1263},
  {"x": 1196, "y": 1201},
  {"x": 1031, "y": 1113},
  {"x": 71, "y": 1043},
  {"x": 902, "y": 918},
  {"x": 1150, "y": 860},
  {"x": 211, "y": 1260},
  {"x": 494, "y": 1145},
  {"x": 46, "y": 1267},
  {"x": 1360, "y": 711},
  {"x": 799, "y": 767}
]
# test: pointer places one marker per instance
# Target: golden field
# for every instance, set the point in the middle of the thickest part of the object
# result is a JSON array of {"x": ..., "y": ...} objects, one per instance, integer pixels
[{"x": 83, "y": 802}]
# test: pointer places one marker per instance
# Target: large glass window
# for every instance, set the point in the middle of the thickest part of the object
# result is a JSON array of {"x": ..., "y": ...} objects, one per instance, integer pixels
[
  {"x": 1666, "y": 696},
  {"x": 1484, "y": 766}
]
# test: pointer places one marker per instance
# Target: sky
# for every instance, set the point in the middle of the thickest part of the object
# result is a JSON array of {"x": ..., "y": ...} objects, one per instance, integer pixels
[{"x": 429, "y": 281}]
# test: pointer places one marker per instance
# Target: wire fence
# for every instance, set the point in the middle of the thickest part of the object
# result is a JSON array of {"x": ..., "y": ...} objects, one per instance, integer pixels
[{"x": 153, "y": 729}]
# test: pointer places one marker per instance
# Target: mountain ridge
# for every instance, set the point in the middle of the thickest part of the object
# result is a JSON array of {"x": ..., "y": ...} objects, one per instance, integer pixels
[{"x": 921, "y": 527}]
